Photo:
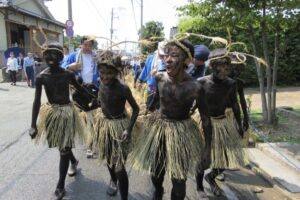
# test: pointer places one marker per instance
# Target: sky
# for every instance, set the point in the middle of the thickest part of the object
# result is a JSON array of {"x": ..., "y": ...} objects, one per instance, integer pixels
[{"x": 93, "y": 17}]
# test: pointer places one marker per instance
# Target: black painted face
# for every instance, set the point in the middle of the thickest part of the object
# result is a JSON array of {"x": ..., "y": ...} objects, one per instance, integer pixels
[
  {"x": 107, "y": 74},
  {"x": 221, "y": 69},
  {"x": 52, "y": 58},
  {"x": 235, "y": 70},
  {"x": 174, "y": 60}
]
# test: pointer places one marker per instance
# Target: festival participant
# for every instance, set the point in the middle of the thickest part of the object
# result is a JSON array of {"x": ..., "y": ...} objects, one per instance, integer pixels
[
  {"x": 237, "y": 65},
  {"x": 113, "y": 127},
  {"x": 59, "y": 121},
  {"x": 222, "y": 120},
  {"x": 171, "y": 142}
]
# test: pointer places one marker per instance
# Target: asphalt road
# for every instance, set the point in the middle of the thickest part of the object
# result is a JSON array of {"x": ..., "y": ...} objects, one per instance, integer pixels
[{"x": 30, "y": 172}]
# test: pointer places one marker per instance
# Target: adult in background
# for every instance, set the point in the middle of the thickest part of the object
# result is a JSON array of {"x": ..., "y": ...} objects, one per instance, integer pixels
[
  {"x": 21, "y": 64},
  {"x": 12, "y": 68},
  {"x": 200, "y": 57},
  {"x": 20, "y": 59},
  {"x": 28, "y": 66},
  {"x": 83, "y": 64},
  {"x": 138, "y": 72},
  {"x": 153, "y": 64},
  {"x": 66, "y": 56}
]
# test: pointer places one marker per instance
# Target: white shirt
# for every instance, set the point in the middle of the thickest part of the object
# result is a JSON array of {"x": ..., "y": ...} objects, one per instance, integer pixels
[
  {"x": 87, "y": 68},
  {"x": 66, "y": 56},
  {"x": 190, "y": 68},
  {"x": 12, "y": 64}
]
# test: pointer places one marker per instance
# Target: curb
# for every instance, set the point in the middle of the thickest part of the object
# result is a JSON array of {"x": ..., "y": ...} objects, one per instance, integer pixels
[
  {"x": 288, "y": 159},
  {"x": 263, "y": 174},
  {"x": 288, "y": 113}
]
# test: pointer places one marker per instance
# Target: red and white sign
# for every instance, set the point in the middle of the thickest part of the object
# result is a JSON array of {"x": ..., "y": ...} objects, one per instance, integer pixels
[{"x": 69, "y": 24}]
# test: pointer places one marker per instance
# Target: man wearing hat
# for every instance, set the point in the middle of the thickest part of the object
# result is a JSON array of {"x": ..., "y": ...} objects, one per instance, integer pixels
[{"x": 201, "y": 55}]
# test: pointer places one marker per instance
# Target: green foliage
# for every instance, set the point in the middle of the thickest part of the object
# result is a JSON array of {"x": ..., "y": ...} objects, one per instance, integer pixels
[
  {"x": 244, "y": 21},
  {"x": 76, "y": 42},
  {"x": 153, "y": 31},
  {"x": 285, "y": 138},
  {"x": 256, "y": 116}
]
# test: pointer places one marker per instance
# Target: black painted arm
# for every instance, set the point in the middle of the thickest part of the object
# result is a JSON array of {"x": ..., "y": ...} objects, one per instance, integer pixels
[{"x": 135, "y": 109}]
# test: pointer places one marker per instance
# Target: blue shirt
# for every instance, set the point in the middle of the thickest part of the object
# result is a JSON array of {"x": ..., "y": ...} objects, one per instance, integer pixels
[
  {"x": 136, "y": 68},
  {"x": 145, "y": 75},
  {"x": 63, "y": 63},
  {"x": 198, "y": 71},
  {"x": 72, "y": 59},
  {"x": 161, "y": 65},
  {"x": 28, "y": 62}
]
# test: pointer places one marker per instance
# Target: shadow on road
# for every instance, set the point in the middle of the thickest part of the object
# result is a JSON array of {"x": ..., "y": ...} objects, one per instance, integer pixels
[{"x": 4, "y": 89}]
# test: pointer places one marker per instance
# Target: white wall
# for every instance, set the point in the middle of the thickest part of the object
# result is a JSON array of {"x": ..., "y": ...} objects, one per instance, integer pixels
[{"x": 3, "y": 36}]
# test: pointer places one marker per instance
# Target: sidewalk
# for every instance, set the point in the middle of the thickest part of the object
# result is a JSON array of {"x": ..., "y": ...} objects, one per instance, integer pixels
[{"x": 278, "y": 163}]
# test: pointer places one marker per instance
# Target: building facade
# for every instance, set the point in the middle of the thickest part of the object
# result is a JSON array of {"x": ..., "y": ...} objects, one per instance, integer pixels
[{"x": 19, "y": 19}]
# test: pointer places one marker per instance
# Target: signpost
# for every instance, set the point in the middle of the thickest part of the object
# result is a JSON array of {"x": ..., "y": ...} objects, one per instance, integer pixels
[
  {"x": 69, "y": 24},
  {"x": 70, "y": 33}
]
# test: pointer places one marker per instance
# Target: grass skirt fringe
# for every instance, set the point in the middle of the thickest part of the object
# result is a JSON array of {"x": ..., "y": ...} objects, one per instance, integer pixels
[
  {"x": 88, "y": 120},
  {"x": 59, "y": 125},
  {"x": 107, "y": 139},
  {"x": 226, "y": 149},
  {"x": 175, "y": 146}
]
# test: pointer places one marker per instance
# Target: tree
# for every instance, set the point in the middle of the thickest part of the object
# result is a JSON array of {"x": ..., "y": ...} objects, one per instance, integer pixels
[
  {"x": 258, "y": 23},
  {"x": 152, "y": 31},
  {"x": 76, "y": 42}
]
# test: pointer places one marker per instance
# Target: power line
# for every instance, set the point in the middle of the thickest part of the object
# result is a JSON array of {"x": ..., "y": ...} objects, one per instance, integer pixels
[
  {"x": 134, "y": 17},
  {"x": 138, "y": 2},
  {"x": 97, "y": 12},
  {"x": 97, "y": 17}
]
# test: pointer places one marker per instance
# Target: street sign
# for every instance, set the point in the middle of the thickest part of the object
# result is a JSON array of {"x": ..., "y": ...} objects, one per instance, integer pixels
[
  {"x": 69, "y": 32},
  {"x": 69, "y": 24}
]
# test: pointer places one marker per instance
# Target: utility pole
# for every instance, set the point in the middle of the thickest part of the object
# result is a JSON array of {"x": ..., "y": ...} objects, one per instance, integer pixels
[
  {"x": 111, "y": 27},
  {"x": 71, "y": 39},
  {"x": 141, "y": 29},
  {"x": 142, "y": 13}
]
